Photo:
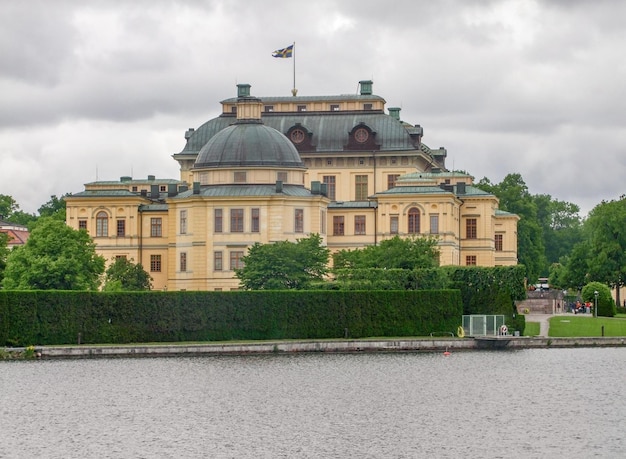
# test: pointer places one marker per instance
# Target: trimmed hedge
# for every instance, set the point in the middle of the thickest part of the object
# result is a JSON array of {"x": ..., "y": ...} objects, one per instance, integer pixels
[{"x": 54, "y": 317}]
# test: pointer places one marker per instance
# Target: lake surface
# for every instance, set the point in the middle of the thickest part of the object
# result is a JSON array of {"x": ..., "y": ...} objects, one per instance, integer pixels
[{"x": 552, "y": 403}]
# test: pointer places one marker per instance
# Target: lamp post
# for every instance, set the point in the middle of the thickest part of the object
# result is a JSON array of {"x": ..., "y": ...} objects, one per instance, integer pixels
[{"x": 595, "y": 308}]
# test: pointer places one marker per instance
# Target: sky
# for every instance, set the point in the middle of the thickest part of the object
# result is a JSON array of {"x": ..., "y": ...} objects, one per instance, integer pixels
[{"x": 102, "y": 89}]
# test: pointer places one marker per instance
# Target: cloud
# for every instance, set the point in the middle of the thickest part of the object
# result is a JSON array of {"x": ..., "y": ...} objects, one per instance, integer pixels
[{"x": 532, "y": 87}]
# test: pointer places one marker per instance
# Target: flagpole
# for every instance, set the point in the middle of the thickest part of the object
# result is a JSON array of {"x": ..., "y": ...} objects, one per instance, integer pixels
[{"x": 294, "y": 91}]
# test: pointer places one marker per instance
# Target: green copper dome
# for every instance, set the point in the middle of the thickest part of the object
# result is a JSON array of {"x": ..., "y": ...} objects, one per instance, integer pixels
[{"x": 248, "y": 144}]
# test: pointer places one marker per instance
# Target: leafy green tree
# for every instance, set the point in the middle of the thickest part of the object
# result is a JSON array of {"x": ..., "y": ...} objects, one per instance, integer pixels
[
  {"x": 576, "y": 266},
  {"x": 55, "y": 257},
  {"x": 514, "y": 197},
  {"x": 4, "y": 252},
  {"x": 606, "y": 304},
  {"x": 397, "y": 252},
  {"x": 607, "y": 235},
  {"x": 124, "y": 275},
  {"x": 284, "y": 265},
  {"x": 10, "y": 211},
  {"x": 561, "y": 226},
  {"x": 55, "y": 207}
]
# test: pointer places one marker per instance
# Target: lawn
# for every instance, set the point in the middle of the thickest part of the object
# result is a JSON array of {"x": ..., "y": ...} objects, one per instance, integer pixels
[
  {"x": 532, "y": 329},
  {"x": 575, "y": 326}
]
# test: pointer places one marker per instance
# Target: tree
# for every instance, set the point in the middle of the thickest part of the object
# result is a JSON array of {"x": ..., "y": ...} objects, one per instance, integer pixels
[
  {"x": 606, "y": 304},
  {"x": 607, "y": 237},
  {"x": 55, "y": 257},
  {"x": 4, "y": 252},
  {"x": 561, "y": 226},
  {"x": 124, "y": 275},
  {"x": 10, "y": 212},
  {"x": 284, "y": 265},
  {"x": 397, "y": 252},
  {"x": 55, "y": 207},
  {"x": 514, "y": 197}
]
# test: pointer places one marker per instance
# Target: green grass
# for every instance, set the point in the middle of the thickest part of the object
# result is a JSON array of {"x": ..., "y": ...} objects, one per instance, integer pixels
[
  {"x": 573, "y": 326},
  {"x": 532, "y": 329}
]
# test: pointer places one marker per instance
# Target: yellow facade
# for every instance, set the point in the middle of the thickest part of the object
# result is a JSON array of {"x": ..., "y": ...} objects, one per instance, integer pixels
[{"x": 342, "y": 169}]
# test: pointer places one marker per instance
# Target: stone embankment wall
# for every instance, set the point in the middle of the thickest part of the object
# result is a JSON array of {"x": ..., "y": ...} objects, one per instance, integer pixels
[{"x": 342, "y": 346}]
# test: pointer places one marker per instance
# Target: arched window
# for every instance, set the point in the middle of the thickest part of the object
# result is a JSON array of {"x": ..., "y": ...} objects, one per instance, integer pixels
[
  {"x": 414, "y": 220},
  {"x": 102, "y": 224}
]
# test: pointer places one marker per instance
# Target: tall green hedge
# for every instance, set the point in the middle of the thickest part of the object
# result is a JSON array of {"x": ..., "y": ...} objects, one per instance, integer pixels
[{"x": 53, "y": 317}]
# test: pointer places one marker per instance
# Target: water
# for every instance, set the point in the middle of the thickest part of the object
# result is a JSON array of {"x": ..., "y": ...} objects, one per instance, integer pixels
[{"x": 531, "y": 404}]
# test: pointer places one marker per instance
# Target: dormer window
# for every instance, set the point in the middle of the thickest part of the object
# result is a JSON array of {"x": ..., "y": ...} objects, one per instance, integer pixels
[
  {"x": 301, "y": 108},
  {"x": 268, "y": 108},
  {"x": 367, "y": 106},
  {"x": 334, "y": 107}
]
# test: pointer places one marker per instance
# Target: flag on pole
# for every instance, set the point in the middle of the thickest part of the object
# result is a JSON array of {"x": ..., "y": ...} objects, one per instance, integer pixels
[{"x": 285, "y": 52}]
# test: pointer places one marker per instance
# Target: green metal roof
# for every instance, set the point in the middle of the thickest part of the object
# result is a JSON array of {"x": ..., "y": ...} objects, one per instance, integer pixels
[
  {"x": 304, "y": 99},
  {"x": 105, "y": 193},
  {"x": 329, "y": 129},
  {"x": 246, "y": 191},
  {"x": 352, "y": 205},
  {"x": 470, "y": 191}
]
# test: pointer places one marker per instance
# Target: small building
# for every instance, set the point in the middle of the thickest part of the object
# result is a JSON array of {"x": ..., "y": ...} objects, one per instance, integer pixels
[{"x": 18, "y": 234}]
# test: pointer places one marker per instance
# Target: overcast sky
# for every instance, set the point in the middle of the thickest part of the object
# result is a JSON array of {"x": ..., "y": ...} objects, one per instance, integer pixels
[{"x": 102, "y": 89}]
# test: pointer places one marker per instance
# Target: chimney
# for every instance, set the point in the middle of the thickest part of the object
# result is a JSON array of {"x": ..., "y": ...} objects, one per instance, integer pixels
[
  {"x": 243, "y": 90},
  {"x": 324, "y": 189},
  {"x": 144, "y": 193},
  {"x": 171, "y": 189},
  {"x": 151, "y": 177},
  {"x": 394, "y": 112},
  {"x": 315, "y": 187},
  {"x": 189, "y": 133},
  {"x": 196, "y": 187},
  {"x": 460, "y": 187},
  {"x": 154, "y": 191},
  {"x": 279, "y": 186},
  {"x": 366, "y": 87},
  {"x": 125, "y": 178}
]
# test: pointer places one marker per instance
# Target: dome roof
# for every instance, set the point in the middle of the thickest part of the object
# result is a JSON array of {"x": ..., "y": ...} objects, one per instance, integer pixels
[{"x": 248, "y": 144}]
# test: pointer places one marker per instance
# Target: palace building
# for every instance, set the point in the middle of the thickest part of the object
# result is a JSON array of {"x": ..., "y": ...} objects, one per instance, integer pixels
[{"x": 271, "y": 169}]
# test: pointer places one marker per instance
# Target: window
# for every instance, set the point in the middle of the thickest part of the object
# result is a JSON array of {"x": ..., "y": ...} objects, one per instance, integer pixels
[
  {"x": 298, "y": 221},
  {"x": 302, "y": 108},
  {"x": 121, "y": 227},
  {"x": 102, "y": 224},
  {"x": 218, "y": 220},
  {"x": 155, "y": 263},
  {"x": 120, "y": 257},
  {"x": 236, "y": 220},
  {"x": 240, "y": 177},
  {"x": 470, "y": 228},
  {"x": 334, "y": 107},
  {"x": 414, "y": 220},
  {"x": 163, "y": 188},
  {"x": 470, "y": 260},
  {"x": 82, "y": 224},
  {"x": 233, "y": 110},
  {"x": 254, "y": 220},
  {"x": 235, "y": 259},
  {"x": 391, "y": 180},
  {"x": 323, "y": 221},
  {"x": 183, "y": 222},
  {"x": 217, "y": 261},
  {"x": 329, "y": 162},
  {"x": 329, "y": 180},
  {"x": 183, "y": 261},
  {"x": 281, "y": 176},
  {"x": 359, "y": 224},
  {"x": 393, "y": 224},
  {"x": 360, "y": 188},
  {"x": 338, "y": 225},
  {"x": 268, "y": 108},
  {"x": 156, "y": 227},
  {"x": 367, "y": 106},
  {"x": 498, "y": 241},
  {"x": 134, "y": 189},
  {"x": 434, "y": 224}
]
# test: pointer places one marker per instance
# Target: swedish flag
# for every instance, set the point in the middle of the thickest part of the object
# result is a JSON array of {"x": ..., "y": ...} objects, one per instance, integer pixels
[{"x": 285, "y": 52}]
